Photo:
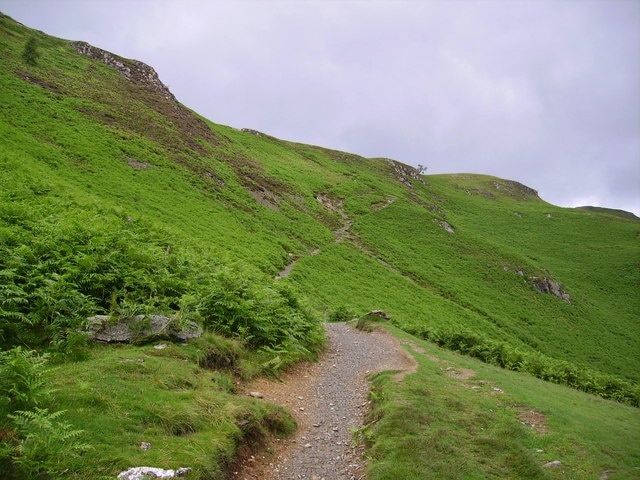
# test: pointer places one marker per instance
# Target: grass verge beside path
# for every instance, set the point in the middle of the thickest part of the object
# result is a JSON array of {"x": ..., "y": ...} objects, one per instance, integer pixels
[
  {"x": 131, "y": 406},
  {"x": 458, "y": 418}
]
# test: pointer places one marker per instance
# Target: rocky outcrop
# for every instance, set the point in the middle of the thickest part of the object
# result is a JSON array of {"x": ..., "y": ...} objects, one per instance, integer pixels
[
  {"x": 141, "y": 328},
  {"x": 515, "y": 189},
  {"x": 405, "y": 173},
  {"x": 266, "y": 198},
  {"x": 544, "y": 284},
  {"x": 135, "y": 70},
  {"x": 188, "y": 127},
  {"x": 548, "y": 285},
  {"x": 447, "y": 227},
  {"x": 331, "y": 204},
  {"x": 253, "y": 132},
  {"x": 379, "y": 314}
]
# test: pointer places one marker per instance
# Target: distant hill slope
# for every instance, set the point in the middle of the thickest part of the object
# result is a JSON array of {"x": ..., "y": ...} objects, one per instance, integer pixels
[
  {"x": 611, "y": 211},
  {"x": 461, "y": 259}
]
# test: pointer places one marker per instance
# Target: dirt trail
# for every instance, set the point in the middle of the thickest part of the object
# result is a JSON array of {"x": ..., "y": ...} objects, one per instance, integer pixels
[{"x": 329, "y": 401}]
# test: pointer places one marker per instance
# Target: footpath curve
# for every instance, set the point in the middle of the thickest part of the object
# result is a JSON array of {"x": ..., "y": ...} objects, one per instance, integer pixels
[{"x": 329, "y": 401}]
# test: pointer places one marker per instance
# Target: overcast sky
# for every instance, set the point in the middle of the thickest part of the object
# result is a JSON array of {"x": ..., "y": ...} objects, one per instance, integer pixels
[{"x": 543, "y": 92}]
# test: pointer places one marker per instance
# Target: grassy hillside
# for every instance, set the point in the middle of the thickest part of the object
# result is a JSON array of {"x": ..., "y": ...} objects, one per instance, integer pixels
[
  {"x": 478, "y": 279},
  {"x": 116, "y": 199},
  {"x": 458, "y": 418}
]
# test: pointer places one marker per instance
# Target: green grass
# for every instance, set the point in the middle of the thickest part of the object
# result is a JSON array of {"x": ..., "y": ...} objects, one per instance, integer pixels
[
  {"x": 433, "y": 425},
  {"x": 190, "y": 415},
  {"x": 477, "y": 265},
  {"x": 114, "y": 199}
]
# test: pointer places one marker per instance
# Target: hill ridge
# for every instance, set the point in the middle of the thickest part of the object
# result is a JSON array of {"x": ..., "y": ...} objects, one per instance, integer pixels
[
  {"x": 134, "y": 70},
  {"x": 611, "y": 211}
]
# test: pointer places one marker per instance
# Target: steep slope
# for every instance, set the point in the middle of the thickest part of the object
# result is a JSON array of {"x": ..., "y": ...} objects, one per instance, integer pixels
[
  {"x": 103, "y": 138},
  {"x": 115, "y": 198},
  {"x": 87, "y": 128}
]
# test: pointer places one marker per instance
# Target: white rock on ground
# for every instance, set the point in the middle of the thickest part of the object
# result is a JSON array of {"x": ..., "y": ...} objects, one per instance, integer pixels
[{"x": 145, "y": 473}]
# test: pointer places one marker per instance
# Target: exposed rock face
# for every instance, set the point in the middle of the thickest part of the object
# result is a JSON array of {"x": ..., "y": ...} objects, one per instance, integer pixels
[
  {"x": 266, "y": 198},
  {"x": 378, "y": 313},
  {"x": 190, "y": 127},
  {"x": 252, "y": 132},
  {"x": 544, "y": 284},
  {"x": 405, "y": 173},
  {"x": 140, "y": 328},
  {"x": 136, "y": 71},
  {"x": 548, "y": 285},
  {"x": 331, "y": 204},
  {"x": 447, "y": 227},
  {"x": 187, "y": 332},
  {"x": 515, "y": 189}
]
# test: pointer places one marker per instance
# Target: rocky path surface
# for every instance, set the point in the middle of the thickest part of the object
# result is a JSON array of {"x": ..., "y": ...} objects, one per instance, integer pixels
[{"x": 329, "y": 401}]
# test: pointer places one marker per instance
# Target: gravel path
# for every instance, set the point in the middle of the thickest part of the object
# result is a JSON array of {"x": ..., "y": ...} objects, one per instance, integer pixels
[{"x": 329, "y": 400}]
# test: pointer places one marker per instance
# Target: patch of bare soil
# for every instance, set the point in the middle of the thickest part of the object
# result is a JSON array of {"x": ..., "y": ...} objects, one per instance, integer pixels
[
  {"x": 329, "y": 401},
  {"x": 534, "y": 420},
  {"x": 460, "y": 373}
]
